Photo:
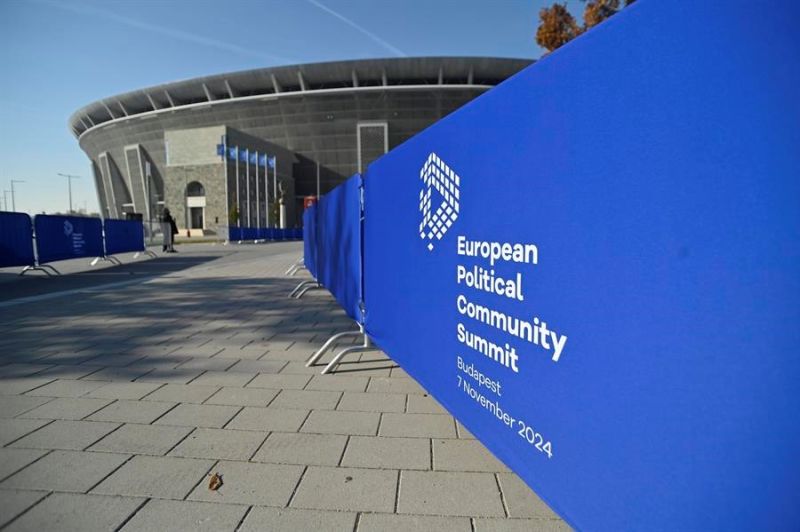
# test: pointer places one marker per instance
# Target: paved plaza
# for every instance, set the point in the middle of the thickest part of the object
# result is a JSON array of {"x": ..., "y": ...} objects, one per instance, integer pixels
[{"x": 123, "y": 389}]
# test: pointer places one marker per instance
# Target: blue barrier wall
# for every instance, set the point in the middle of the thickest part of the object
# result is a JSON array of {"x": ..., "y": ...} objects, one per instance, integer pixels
[
  {"x": 339, "y": 244},
  {"x": 123, "y": 236},
  {"x": 310, "y": 240},
  {"x": 595, "y": 267},
  {"x": 67, "y": 237},
  {"x": 16, "y": 239}
]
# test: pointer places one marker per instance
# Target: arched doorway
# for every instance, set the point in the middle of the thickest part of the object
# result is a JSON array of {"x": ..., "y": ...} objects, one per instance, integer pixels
[{"x": 196, "y": 204}]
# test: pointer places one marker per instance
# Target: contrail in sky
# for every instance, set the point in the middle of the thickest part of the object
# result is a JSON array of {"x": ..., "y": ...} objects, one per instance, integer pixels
[
  {"x": 365, "y": 31},
  {"x": 163, "y": 30}
]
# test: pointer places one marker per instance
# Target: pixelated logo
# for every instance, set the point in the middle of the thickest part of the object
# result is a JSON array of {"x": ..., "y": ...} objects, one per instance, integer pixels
[
  {"x": 437, "y": 176},
  {"x": 67, "y": 228}
]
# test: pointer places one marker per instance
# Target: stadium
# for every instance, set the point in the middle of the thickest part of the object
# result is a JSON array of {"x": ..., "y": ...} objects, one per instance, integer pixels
[{"x": 220, "y": 149}]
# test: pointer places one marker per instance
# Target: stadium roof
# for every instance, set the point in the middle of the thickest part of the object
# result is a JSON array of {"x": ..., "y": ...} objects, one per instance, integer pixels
[{"x": 275, "y": 82}]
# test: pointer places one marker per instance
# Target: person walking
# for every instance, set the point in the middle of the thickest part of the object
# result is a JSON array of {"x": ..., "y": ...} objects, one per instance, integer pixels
[{"x": 169, "y": 230}]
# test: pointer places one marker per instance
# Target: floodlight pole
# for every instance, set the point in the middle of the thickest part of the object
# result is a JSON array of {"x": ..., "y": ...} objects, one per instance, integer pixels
[
  {"x": 69, "y": 182},
  {"x": 13, "y": 199},
  {"x": 5, "y": 200}
]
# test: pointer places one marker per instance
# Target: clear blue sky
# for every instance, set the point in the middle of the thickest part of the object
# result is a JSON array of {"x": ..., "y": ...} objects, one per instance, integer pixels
[{"x": 58, "y": 55}]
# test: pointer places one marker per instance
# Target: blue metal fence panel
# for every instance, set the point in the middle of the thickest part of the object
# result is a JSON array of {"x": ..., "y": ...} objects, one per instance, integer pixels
[
  {"x": 123, "y": 236},
  {"x": 595, "y": 267},
  {"x": 67, "y": 237},
  {"x": 235, "y": 234},
  {"x": 339, "y": 244},
  {"x": 310, "y": 240},
  {"x": 16, "y": 239}
]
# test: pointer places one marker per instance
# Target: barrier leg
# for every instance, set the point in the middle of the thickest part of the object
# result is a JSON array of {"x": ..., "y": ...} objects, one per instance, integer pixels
[
  {"x": 38, "y": 269},
  {"x": 327, "y": 345},
  {"x": 299, "y": 287},
  {"x": 307, "y": 288},
  {"x": 43, "y": 266},
  {"x": 112, "y": 259},
  {"x": 296, "y": 269},
  {"x": 294, "y": 265},
  {"x": 367, "y": 346}
]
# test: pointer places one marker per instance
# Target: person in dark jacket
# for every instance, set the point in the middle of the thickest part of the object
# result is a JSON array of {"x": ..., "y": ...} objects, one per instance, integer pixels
[{"x": 169, "y": 230}]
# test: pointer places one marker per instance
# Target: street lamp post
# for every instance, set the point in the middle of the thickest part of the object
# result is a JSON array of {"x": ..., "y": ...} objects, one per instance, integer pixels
[
  {"x": 5, "y": 200},
  {"x": 13, "y": 200},
  {"x": 69, "y": 182}
]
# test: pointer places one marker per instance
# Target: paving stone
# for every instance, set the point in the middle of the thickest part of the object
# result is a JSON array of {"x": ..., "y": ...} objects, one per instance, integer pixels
[
  {"x": 291, "y": 520},
  {"x": 12, "y": 460},
  {"x": 14, "y": 502},
  {"x": 185, "y": 516},
  {"x": 338, "y": 383},
  {"x": 280, "y": 381},
  {"x": 143, "y": 412},
  {"x": 156, "y": 476},
  {"x": 417, "y": 426},
  {"x": 521, "y": 525},
  {"x": 258, "y": 366},
  {"x": 223, "y": 378},
  {"x": 116, "y": 360},
  {"x": 14, "y": 405},
  {"x": 424, "y": 404},
  {"x": 248, "y": 353},
  {"x": 209, "y": 416},
  {"x": 66, "y": 471},
  {"x": 21, "y": 369},
  {"x": 68, "y": 435},
  {"x": 346, "y": 489},
  {"x": 125, "y": 374},
  {"x": 447, "y": 493},
  {"x": 201, "y": 351},
  {"x": 464, "y": 455},
  {"x": 401, "y": 523},
  {"x": 219, "y": 443},
  {"x": 463, "y": 433},
  {"x": 23, "y": 384},
  {"x": 277, "y": 419},
  {"x": 66, "y": 388},
  {"x": 302, "y": 449},
  {"x": 249, "y": 483},
  {"x": 12, "y": 429},
  {"x": 299, "y": 368},
  {"x": 124, "y": 390},
  {"x": 67, "y": 408},
  {"x": 372, "y": 402},
  {"x": 394, "y": 385},
  {"x": 68, "y": 371},
  {"x": 68, "y": 512},
  {"x": 307, "y": 399},
  {"x": 242, "y": 397},
  {"x": 174, "y": 376},
  {"x": 142, "y": 439},
  {"x": 388, "y": 453},
  {"x": 182, "y": 393},
  {"x": 521, "y": 500},
  {"x": 339, "y": 422},
  {"x": 397, "y": 371},
  {"x": 207, "y": 364}
]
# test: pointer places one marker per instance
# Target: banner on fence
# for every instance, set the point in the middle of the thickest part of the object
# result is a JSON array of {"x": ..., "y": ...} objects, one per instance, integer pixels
[
  {"x": 123, "y": 236},
  {"x": 594, "y": 267},
  {"x": 16, "y": 239},
  {"x": 339, "y": 245},
  {"x": 310, "y": 240},
  {"x": 67, "y": 237}
]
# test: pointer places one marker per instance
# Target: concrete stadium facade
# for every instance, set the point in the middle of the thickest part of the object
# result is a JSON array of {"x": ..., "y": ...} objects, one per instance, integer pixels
[{"x": 157, "y": 147}]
